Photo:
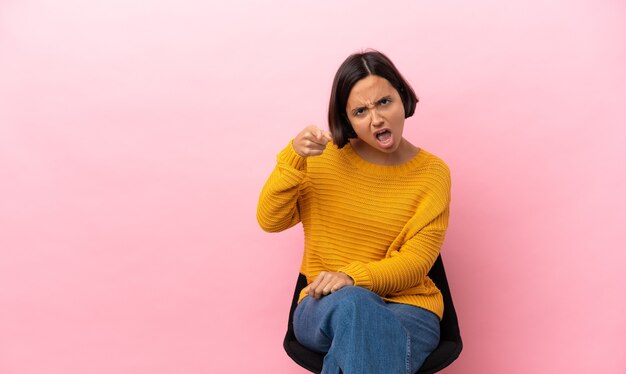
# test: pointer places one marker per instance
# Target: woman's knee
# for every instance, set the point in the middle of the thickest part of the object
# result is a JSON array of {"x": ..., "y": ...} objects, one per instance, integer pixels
[
  {"x": 357, "y": 294},
  {"x": 355, "y": 300}
]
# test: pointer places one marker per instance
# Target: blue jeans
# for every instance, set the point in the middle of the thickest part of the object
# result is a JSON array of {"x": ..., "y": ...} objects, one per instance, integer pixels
[{"x": 362, "y": 334}]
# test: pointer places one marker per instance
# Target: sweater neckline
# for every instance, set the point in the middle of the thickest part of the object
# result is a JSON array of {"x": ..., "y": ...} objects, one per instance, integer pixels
[{"x": 387, "y": 170}]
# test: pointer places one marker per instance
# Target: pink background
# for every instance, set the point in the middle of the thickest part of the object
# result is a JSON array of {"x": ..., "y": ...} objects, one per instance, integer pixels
[{"x": 135, "y": 137}]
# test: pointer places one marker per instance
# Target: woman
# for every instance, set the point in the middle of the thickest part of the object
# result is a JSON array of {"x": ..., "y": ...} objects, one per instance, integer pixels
[{"x": 374, "y": 209}]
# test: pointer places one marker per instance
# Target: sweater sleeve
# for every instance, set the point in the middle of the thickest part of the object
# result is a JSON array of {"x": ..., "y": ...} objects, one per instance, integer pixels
[
  {"x": 277, "y": 209},
  {"x": 413, "y": 253}
]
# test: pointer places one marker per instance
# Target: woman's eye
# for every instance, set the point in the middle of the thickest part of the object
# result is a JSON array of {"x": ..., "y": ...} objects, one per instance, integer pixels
[
  {"x": 359, "y": 112},
  {"x": 385, "y": 101}
]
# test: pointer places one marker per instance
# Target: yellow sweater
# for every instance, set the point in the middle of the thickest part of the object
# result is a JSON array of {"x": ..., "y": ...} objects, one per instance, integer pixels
[{"x": 381, "y": 225}]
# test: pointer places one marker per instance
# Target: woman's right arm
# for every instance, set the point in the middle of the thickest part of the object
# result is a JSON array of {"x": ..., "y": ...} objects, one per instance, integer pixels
[{"x": 278, "y": 204}]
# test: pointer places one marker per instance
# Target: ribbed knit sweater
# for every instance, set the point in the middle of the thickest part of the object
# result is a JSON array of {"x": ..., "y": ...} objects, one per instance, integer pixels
[{"x": 381, "y": 225}]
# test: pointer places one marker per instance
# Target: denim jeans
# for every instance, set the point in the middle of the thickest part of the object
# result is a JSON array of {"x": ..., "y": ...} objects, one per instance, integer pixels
[{"x": 362, "y": 334}]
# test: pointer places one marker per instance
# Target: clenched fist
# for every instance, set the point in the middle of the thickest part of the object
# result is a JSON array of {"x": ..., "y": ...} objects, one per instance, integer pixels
[{"x": 311, "y": 141}]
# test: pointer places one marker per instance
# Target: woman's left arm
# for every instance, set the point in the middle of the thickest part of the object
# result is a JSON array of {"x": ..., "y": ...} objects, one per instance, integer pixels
[{"x": 414, "y": 251}]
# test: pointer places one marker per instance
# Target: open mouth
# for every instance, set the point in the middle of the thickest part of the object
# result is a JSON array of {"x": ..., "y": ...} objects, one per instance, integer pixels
[{"x": 383, "y": 136}]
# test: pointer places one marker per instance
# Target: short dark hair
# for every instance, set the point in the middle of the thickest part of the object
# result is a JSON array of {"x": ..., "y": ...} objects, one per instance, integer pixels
[{"x": 356, "y": 67}]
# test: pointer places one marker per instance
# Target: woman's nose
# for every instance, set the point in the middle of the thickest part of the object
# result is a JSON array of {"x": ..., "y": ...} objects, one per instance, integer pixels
[{"x": 376, "y": 119}]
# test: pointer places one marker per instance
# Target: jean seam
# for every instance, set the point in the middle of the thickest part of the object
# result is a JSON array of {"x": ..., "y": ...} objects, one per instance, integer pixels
[{"x": 408, "y": 354}]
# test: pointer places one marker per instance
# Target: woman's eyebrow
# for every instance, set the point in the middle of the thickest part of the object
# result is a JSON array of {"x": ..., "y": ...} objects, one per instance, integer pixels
[
  {"x": 354, "y": 110},
  {"x": 382, "y": 97}
]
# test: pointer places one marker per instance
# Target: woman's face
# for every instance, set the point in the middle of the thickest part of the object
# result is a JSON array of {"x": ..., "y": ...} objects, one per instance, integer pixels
[{"x": 376, "y": 113}]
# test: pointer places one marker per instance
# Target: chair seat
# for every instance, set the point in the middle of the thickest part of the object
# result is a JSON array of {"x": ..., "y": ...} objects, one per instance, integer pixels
[
  {"x": 303, "y": 356},
  {"x": 446, "y": 352}
]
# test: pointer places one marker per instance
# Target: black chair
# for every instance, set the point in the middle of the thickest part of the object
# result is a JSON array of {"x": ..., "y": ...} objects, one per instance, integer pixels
[{"x": 450, "y": 344}]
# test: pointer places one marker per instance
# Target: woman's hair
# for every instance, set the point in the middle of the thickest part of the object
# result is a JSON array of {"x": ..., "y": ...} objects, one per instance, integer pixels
[{"x": 353, "y": 69}]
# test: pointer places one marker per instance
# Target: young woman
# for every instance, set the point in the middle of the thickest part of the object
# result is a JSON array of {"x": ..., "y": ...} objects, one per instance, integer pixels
[{"x": 374, "y": 209}]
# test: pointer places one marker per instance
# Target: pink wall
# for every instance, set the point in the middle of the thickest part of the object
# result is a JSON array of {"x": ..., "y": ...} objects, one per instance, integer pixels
[{"x": 135, "y": 138}]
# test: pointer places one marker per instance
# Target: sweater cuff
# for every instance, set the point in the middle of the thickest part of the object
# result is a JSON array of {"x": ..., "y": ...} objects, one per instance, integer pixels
[
  {"x": 290, "y": 157},
  {"x": 359, "y": 274}
]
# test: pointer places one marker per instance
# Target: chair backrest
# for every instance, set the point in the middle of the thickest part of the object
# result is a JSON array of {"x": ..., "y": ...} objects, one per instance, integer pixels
[
  {"x": 449, "y": 321},
  {"x": 450, "y": 343}
]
